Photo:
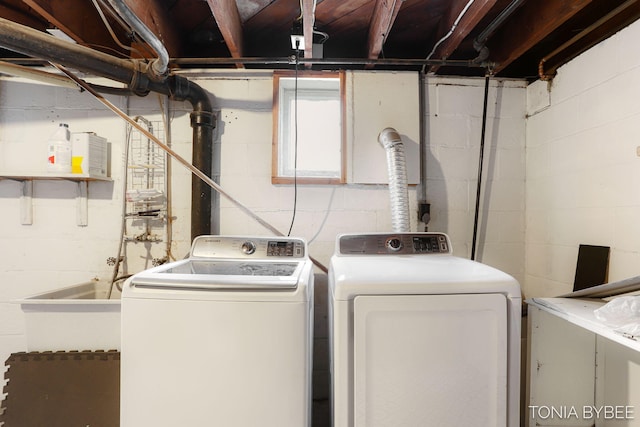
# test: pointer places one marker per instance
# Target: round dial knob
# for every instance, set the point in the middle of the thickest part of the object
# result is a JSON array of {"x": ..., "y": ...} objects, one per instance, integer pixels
[
  {"x": 394, "y": 244},
  {"x": 248, "y": 247}
]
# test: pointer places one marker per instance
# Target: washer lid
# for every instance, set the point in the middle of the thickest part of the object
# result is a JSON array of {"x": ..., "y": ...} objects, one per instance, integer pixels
[
  {"x": 222, "y": 275},
  {"x": 234, "y": 268}
]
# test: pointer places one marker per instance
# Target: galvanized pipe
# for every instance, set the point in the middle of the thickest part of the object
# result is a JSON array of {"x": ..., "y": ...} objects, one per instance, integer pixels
[
  {"x": 31, "y": 42},
  {"x": 160, "y": 65}
]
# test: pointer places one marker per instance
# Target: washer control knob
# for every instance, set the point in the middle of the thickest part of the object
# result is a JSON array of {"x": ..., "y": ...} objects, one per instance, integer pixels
[
  {"x": 394, "y": 244},
  {"x": 248, "y": 247}
]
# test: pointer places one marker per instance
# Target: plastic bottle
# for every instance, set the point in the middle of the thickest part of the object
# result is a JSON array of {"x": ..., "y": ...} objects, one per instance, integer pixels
[{"x": 59, "y": 150}]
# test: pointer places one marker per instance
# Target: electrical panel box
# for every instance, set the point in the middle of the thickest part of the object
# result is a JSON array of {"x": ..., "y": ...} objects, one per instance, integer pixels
[{"x": 90, "y": 155}]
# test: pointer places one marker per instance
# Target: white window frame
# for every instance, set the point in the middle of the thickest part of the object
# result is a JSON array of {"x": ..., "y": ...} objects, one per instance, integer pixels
[{"x": 310, "y": 87}]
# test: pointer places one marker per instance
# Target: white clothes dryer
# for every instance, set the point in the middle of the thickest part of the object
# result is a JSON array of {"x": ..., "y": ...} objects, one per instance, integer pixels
[
  {"x": 222, "y": 338},
  {"x": 420, "y": 337}
]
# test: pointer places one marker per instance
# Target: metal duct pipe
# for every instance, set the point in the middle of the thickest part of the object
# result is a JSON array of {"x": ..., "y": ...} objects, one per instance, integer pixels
[
  {"x": 398, "y": 193},
  {"x": 160, "y": 65},
  {"x": 28, "y": 41},
  {"x": 480, "y": 41}
]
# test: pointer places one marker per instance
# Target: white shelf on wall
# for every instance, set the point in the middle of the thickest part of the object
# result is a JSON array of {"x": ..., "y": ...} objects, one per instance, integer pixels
[{"x": 26, "y": 199}]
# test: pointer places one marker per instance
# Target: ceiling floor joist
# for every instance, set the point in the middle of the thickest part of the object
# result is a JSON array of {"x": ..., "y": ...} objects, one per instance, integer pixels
[
  {"x": 384, "y": 15},
  {"x": 475, "y": 12},
  {"x": 530, "y": 24},
  {"x": 227, "y": 17},
  {"x": 78, "y": 22}
]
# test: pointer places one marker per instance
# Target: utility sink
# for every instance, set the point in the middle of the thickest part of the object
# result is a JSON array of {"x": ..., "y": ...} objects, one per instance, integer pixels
[{"x": 78, "y": 317}]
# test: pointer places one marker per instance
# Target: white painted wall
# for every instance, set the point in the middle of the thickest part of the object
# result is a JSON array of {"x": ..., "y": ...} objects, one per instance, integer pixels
[
  {"x": 582, "y": 165},
  {"x": 453, "y": 126},
  {"x": 55, "y": 252}
]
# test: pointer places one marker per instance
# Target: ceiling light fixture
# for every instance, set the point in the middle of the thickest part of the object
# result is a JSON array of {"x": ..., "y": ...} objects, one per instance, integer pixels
[{"x": 297, "y": 35}]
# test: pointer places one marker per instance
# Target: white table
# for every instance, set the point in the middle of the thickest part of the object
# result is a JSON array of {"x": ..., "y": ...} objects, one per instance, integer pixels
[{"x": 579, "y": 371}]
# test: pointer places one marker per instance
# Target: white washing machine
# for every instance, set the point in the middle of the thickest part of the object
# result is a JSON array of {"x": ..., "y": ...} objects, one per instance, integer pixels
[
  {"x": 222, "y": 338},
  {"x": 420, "y": 337}
]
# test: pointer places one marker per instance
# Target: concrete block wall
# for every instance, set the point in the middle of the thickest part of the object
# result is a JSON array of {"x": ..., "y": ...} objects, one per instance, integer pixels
[
  {"x": 453, "y": 124},
  {"x": 245, "y": 138},
  {"x": 55, "y": 252},
  {"x": 582, "y": 165}
]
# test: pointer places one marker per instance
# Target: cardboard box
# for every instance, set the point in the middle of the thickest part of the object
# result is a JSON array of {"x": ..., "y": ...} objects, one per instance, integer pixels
[{"x": 90, "y": 155}]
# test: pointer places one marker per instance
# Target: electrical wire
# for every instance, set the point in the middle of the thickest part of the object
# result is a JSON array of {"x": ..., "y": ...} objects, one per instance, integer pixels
[
  {"x": 313, "y": 13},
  {"x": 195, "y": 171},
  {"x": 295, "y": 141},
  {"x": 326, "y": 216},
  {"x": 325, "y": 36},
  {"x": 453, "y": 28},
  {"x": 108, "y": 26},
  {"x": 110, "y": 29}
]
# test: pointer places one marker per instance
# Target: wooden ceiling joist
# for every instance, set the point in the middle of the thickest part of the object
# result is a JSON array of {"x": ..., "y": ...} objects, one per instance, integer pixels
[
  {"x": 21, "y": 17},
  {"x": 156, "y": 17},
  {"x": 71, "y": 20},
  {"x": 227, "y": 17},
  {"x": 606, "y": 26},
  {"x": 308, "y": 21},
  {"x": 384, "y": 14},
  {"x": 530, "y": 24}
]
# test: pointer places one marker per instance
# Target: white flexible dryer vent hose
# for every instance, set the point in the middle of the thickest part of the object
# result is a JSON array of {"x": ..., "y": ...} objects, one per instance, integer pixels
[{"x": 397, "y": 168}]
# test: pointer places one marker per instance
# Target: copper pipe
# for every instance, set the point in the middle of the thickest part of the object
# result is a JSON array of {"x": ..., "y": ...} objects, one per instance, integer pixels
[{"x": 550, "y": 74}]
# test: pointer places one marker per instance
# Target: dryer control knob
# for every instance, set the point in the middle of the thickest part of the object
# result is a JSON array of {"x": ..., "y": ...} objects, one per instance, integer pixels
[
  {"x": 394, "y": 244},
  {"x": 248, "y": 247}
]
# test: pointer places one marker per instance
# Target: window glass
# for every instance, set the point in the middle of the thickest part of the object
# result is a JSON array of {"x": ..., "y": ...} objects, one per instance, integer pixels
[{"x": 308, "y": 134}]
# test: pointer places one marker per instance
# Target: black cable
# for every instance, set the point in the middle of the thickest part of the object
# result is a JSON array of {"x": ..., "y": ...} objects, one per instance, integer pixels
[
  {"x": 295, "y": 140},
  {"x": 484, "y": 128}
]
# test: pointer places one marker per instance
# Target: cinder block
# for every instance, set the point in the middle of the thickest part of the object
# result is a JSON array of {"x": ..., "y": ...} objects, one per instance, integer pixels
[{"x": 460, "y": 100}]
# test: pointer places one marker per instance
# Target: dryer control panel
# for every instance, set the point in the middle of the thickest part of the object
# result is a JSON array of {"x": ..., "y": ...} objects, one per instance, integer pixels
[{"x": 394, "y": 244}]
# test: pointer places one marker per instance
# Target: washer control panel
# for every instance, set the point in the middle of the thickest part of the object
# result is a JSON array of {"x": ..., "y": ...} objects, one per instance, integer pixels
[
  {"x": 394, "y": 244},
  {"x": 243, "y": 247}
]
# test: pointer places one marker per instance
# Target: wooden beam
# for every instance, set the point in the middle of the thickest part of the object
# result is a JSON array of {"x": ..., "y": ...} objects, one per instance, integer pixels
[
  {"x": 156, "y": 17},
  {"x": 474, "y": 14},
  {"x": 83, "y": 24},
  {"x": 22, "y": 17},
  {"x": 69, "y": 20},
  {"x": 384, "y": 14},
  {"x": 227, "y": 17},
  {"x": 530, "y": 24},
  {"x": 308, "y": 21},
  {"x": 609, "y": 24}
]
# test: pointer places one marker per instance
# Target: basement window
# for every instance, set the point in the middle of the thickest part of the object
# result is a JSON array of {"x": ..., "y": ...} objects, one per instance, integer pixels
[{"x": 308, "y": 135}]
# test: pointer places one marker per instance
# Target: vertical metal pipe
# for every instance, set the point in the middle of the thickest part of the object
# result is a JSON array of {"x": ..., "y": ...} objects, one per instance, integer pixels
[
  {"x": 423, "y": 216},
  {"x": 480, "y": 162},
  {"x": 202, "y": 123}
]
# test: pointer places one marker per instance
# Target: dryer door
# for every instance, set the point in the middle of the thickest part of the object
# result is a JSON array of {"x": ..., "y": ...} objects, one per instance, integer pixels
[{"x": 430, "y": 360}]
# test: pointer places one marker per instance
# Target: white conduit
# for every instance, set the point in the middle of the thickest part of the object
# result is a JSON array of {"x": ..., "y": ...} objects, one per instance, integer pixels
[
  {"x": 397, "y": 167},
  {"x": 453, "y": 28},
  {"x": 197, "y": 172}
]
